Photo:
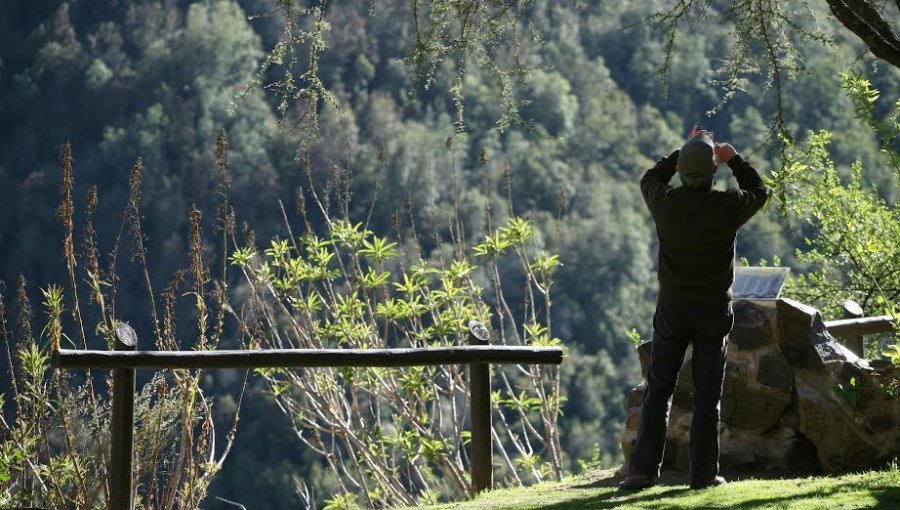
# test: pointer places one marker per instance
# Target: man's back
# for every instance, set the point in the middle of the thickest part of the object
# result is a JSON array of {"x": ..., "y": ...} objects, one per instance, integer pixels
[{"x": 697, "y": 227}]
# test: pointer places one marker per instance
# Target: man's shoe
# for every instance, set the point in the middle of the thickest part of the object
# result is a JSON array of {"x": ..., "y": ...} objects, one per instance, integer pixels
[
  {"x": 636, "y": 482},
  {"x": 713, "y": 482}
]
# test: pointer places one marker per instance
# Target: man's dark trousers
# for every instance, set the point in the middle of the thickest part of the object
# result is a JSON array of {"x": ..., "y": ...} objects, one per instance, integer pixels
[{"x": 682, "y": 318}]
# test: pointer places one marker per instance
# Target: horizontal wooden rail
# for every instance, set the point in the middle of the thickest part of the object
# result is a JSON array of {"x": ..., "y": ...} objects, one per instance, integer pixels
[
  {"x": 268, "y": 358},
  {"x": 860, "y": 326},
  {"x": 125, "y": 360}
]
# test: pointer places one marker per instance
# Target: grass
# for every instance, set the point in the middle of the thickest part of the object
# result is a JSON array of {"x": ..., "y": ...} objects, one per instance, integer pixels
[{"x": 872, "y": 489}]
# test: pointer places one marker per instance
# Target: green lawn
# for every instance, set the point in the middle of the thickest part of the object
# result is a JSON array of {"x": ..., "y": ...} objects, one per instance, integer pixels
[{"x": 874, "y": 489}]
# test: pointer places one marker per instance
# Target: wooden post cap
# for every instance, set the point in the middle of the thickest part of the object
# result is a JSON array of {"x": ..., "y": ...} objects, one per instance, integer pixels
[
  {"x": 852, "y": 309},
  {"x": 126, "y": 335},
  {"x": 479, "y": 332}
]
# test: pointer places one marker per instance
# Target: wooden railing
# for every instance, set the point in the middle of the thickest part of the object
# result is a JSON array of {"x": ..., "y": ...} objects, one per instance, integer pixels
[
  {"x": 854, "y": 327},
  {"x": 125, "y": 359},
  {"x": 860, "y": 327}
]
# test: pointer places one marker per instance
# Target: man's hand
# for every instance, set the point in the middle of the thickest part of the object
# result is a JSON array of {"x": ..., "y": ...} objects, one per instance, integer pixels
[{"x": 724, "y": 152}]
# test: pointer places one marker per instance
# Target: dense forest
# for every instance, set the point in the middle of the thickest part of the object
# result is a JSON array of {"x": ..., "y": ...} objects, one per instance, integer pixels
[{"x": 159, "y": 80}]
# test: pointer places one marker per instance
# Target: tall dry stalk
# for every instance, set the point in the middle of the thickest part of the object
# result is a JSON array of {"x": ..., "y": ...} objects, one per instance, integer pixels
[{"x": 58, "y": 437}]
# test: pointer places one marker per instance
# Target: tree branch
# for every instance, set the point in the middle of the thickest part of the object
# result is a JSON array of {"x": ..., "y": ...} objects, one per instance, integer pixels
[{"x": 864, "y": 20}]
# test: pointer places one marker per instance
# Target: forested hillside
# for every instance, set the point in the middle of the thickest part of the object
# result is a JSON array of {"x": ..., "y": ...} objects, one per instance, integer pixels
[{"x": 159, "y": 79}]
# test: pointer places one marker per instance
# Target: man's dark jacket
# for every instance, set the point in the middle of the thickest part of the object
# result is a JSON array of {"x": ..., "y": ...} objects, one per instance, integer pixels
[{"x": 697, "y": 227}]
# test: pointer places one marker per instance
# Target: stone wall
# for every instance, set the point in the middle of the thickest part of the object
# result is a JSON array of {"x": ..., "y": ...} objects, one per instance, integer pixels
[{"x": 794, "y": 400}]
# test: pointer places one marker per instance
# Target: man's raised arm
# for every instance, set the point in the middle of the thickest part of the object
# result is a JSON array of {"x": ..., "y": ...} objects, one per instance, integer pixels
[
  {"x": 752, "y": 193},
  {"x": 655, "y": 181}
]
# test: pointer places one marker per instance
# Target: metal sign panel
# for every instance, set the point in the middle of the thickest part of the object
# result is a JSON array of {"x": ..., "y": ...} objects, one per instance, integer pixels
[{"x": 758, "y": 282}]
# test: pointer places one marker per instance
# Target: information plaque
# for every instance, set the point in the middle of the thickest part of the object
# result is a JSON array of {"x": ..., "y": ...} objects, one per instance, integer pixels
[{"x": 758, "y": 282}]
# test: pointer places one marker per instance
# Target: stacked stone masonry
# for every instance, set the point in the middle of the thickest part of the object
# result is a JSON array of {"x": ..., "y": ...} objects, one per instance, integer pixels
[{"x": 794, "y": 399}]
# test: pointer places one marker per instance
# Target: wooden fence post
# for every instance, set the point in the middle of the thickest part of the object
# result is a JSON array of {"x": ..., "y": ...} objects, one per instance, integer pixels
[
  {"x": 125, "y": 359},
  {"x": 852, "y": 310},
  {"x": 480, "y": 403},
  {"x": 121, "y": 455}
]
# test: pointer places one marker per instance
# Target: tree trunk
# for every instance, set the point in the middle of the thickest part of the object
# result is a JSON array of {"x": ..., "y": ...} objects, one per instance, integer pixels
[{"x": 863, "y": 19}]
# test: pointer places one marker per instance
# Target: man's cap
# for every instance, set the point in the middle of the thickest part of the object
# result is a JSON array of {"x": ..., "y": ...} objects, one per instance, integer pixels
[{"x": 695, "y": 161}]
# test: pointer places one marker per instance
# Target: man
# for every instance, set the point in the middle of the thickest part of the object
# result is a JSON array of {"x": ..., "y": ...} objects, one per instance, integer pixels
[{"x": 697, "y": 227}]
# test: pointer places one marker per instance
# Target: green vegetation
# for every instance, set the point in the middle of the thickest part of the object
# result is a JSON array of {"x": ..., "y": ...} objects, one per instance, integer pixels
[
  {"x": 402, "y": 437},
  {"x": 845, "y": 257},
  {"x": 855, "y": 257},
  {"x": 595, "y": 491},
  {"x": 420, "y": 164}
]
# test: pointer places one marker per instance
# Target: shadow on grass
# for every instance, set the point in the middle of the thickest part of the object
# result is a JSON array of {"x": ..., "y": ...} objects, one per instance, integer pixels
[
  {"x": 614, "y": 499},
  {"x": 886, "y": 498}
]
